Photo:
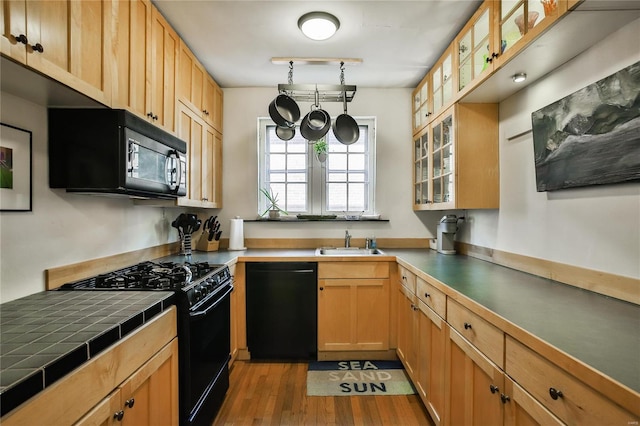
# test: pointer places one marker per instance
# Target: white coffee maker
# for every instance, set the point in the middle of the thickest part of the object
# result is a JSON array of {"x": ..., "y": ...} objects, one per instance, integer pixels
[{"x": 446, "y": 232}]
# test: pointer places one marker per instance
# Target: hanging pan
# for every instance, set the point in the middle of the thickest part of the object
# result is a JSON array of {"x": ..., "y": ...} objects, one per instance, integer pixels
[
  {"x": 284, "y": 111},
  {"x": 285, "y": 133},
  {"x": 345, "y": 128},
  {"x": 316, "y": 123}
]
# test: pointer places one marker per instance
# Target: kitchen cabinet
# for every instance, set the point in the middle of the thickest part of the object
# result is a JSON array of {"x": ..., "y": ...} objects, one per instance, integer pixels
[
  {"x": 421, "y": 107},
  {"x": 142, "y": 366},
  {"x": 204, "y": 149},
  {"x": 63, "y": 39},
  {"x": 519, "y": 22},
  {"x": 474, "y": 385},
  {"x": 146, "y": 52},
  {"x": 145, "y": 398},
  {"x": 198, "y": 90},
  {"x": 474, "y": 48},
  {"x": 522, "y": 409},
  {"x": 442, "y": 78},
  {"x": 456, "y": 164},
  {"x": 353, "y": 306},
  {"x": 564, "y": 395},
  {"x": 407, "y": 333}
]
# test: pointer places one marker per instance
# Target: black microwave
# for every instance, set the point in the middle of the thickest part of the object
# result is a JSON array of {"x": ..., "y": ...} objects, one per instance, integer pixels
[{"x": 112, "y": 151}]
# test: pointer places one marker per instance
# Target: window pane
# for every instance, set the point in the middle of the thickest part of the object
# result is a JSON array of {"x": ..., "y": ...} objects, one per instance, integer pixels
[
  {"x": 277, "y": 161},
  {"x": 337, "y": 161},
  {"x": 356, "y": 177},
  {"x": 276, "y": 144},
  {"x": 297, "y": 177},
  {"x": 297, "y": 162},
  {"x": 337, "y": 177},
  {"x": 359, "y": 146},
  {"x": 337, "y": 197},
  {"x": 297, "y": 198},
  {"x": 277, "y": 177},
  {"x": 279, "y": 192},
  {"x": 356, "y": 197},
  {"x": 297, "y": 145},
  {"x": 356, "y": 162}
]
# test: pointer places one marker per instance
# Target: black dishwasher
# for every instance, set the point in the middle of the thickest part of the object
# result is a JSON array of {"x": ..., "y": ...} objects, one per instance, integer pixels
[{"x": 282, "y": 310}]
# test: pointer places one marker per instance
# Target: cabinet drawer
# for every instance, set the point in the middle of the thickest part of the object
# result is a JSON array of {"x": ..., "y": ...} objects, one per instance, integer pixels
[
  {"x": 408, "y": 279},
  {"x": 432, "y": 297},
  {"x": 485, "y": 336},
  {"x": 579, "y": 403},
  {"x": 353, "y": 269}
]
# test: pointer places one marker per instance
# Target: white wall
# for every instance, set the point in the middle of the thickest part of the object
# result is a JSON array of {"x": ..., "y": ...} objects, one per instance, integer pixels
[
  {"x": 595, "y": 227},
  {"x": 392, "y": 109},
  {"x": 64, "y": 228}
]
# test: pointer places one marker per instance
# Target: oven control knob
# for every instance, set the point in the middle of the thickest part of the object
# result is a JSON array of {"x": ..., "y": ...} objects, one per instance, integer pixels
[
  {"x": 197, "y": 294},
  {"x": 204, "y": 290}
]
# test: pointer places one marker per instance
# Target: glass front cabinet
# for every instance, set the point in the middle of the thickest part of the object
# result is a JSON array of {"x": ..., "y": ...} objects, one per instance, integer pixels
[
  {"x": 474, "y": 48},
  {"x": 456, "y": 160},
  {"x": 421, "y": 104}
]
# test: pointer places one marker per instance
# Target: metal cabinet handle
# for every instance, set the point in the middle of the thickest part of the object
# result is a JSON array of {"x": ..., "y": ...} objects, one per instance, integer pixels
[
  {"x": 37, "y": 48},
  {"x": 21, "y": 38},
  {"x": 427, "y": 295},
  {"x": 321, "y": 288},
  {"x": 493, "y": 388},
  {"x": 467, "y": 326},
  {"x": 504, "y": 398},
  {"x": 129, "y": 402},
  {"x": 118, "y": 415},
  {"x": 555, "y": 393}
]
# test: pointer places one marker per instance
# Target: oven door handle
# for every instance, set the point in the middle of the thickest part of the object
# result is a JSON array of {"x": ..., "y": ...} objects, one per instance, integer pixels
[{"x": 205, "y": 312}]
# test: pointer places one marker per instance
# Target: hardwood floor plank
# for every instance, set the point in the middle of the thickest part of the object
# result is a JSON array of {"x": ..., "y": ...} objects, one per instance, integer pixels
[{"x": 275, "y": 393}]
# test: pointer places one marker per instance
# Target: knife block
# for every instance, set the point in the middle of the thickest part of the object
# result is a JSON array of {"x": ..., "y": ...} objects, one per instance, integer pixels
[{"x": 206, "y": 245}]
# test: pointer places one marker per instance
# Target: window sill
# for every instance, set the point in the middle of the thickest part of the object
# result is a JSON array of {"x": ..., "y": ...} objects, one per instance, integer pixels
[{"x": 296, "y": 220}]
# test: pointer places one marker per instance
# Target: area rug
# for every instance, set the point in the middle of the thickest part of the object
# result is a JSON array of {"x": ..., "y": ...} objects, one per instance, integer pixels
[{"x": 351, "y": 378}]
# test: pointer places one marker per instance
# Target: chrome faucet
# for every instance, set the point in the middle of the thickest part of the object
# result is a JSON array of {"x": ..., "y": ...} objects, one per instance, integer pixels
[{"x": 347, "y": 239}]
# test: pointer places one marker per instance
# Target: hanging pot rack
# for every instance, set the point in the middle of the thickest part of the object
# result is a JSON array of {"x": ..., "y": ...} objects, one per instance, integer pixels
[{"x": 317, "y": 92}]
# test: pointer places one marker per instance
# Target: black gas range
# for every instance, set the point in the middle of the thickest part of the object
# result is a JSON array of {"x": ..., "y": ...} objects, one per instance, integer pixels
[{"x": 202, "y": 293}]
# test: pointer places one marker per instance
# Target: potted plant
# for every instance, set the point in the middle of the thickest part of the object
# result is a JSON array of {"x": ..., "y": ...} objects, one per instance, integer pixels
[
  {"x": 321, "y": 148},
  {"x": 272, "y": 204}
]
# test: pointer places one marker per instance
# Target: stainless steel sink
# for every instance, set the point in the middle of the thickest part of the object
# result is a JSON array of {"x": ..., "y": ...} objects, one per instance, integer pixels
[{"x": 348, "y": 251}]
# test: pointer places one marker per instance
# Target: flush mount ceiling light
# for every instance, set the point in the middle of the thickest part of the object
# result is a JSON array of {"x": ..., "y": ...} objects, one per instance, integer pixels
[
  {"x": 318, "y": 25},
  {"x": 519, "y": 78}
]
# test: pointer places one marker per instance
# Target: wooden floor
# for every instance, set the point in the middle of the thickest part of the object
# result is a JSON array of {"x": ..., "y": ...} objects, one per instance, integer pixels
[{"x": 274, "y": 393}]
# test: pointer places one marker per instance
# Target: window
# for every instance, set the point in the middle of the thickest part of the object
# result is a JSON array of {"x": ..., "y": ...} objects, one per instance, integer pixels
[{"x": 344, "y": 183}]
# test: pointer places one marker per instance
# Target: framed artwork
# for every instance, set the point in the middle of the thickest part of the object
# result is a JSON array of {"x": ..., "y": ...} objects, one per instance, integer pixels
[
  {"x": 592, "y": 136},
  {"x": 15, "y": 169}
]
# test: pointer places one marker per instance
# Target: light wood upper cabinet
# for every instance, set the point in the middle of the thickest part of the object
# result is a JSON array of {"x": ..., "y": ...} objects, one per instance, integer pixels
[
  {"x": 63, "y": 39},
  {"x": 146, "y": 53},
  {"x": 421, "y": 107},
  {"x": 204, "y": 149},
  {"x": 198, "y": 90},
  {"x": 353, "y": 313},
  {"x": 442, "y": 78},
  {"x": 474, "y": 48},
  {"x": 456, "y": 165},
  {"x": 518, "y": 22}
]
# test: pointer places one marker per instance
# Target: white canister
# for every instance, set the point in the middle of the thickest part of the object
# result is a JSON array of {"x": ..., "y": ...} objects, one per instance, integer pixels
[{"x": 236, "y": 234}]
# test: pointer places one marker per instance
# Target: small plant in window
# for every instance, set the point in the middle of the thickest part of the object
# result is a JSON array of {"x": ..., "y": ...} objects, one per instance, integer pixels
[
  {"x": 272, "y": 204},
  {"x": 321, "y": 148}
]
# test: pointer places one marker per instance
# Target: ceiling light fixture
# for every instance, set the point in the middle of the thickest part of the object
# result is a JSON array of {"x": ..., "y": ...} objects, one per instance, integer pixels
[
  {"x": 318, "y": 25},
  {"x": 519, "y": 78}
]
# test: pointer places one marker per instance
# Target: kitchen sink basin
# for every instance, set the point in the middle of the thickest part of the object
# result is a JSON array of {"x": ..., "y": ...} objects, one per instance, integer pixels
[{"x": 348, "y": 251}]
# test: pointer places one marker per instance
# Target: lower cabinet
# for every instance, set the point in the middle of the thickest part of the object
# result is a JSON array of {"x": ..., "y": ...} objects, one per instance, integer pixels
[
  {"x": 145, "y": 398},
  {"x": 474, "y": 385},
  {"x": 353, "y": 306},
  {"x": 135, "y": 382}
]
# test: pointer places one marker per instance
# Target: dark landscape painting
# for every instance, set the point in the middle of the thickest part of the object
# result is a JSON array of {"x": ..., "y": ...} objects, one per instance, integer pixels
[{"x": 591, "y": 137}]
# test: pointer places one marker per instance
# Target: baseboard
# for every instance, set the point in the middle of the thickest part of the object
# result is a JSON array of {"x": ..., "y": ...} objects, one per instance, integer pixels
[
  {"x": 617, "y": 286},
  {"x": 389, "y": 355}
]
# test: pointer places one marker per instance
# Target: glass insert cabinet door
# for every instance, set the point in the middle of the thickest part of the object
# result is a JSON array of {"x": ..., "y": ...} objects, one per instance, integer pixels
[
  {"x": 442, "y": 159},
  {"x": 421, "y": 168},
  {"x": 474, "y": 48},
  {"x": 518, "y": 17},
  {"x": 421, "y": 106}
]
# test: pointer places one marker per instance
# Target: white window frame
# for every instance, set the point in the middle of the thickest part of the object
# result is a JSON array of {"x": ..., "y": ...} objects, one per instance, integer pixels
[{"x": 317, "y": 172}]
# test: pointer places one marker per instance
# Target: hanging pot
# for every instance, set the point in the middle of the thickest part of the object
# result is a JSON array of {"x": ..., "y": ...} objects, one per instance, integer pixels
[
  {"x": 284, "y": 111},
  {"x": 315, "y": 125},
  {"x": 345, "y": 128},
  {"x": 285, "y": 133}
]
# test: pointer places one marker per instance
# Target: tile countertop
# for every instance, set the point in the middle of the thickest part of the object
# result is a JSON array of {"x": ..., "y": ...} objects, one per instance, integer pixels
[
  {"x": 46, "y": 335},
  {"x": 598, "y": 330}
]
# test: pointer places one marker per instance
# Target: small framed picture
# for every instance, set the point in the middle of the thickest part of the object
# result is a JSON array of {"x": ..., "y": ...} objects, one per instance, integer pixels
[{"x": 15, "y": 169}]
